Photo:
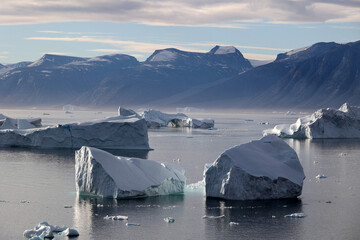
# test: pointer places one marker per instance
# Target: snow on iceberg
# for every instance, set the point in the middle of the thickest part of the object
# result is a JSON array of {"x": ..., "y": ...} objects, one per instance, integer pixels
[
  {"x": 112, "y": 133},
  {"x": 103, "y": 174},
  {"x": 324, "y": 123},
  {"x": 44, "y": 230},
  {"x": 263, "y": 169}
]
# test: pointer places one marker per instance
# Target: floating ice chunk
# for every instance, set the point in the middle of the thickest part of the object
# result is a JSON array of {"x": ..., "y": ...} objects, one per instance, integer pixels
[
  {"x": 67, "y": 206},
  {"x": 44, "y": 230},
  {"x": 116, "y": 133},
  {"x": 203, "y": 123},
  {"x": 296, "y": 215},
  {"x": 289, "y": 113},
  {"x": 118, "y": 217},
  {"x": 233, "y": 223},
  {"x": 213, "y": 217},
  {"x": 70, "y": 232},
  {"x": 169, "y": 219},
  {"x": 98, "y": 172},
  {"x": 264, "y": 169},
  {"x": 324, "y": 123},
  {"x": 321, "y": 176},
  {"x": 133, "y": 224}
]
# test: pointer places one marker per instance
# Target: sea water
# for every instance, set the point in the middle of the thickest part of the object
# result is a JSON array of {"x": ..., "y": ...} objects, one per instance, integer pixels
[{"x": 38, "y": 185}]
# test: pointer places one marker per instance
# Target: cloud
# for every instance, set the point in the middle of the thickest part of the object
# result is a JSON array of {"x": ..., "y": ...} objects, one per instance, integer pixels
[{"x": 174, "y": 12}]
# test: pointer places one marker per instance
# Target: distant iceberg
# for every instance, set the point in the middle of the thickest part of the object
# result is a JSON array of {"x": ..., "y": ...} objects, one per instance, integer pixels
[
  {"x": 70, "y": 107},
  {"x": 103, "y": 174},
  {"x": 157, "y": 119},
  {"x": 112, "y": 133},
  {"x": 264, "y": 169},
  {"x": 324, "y": 123},
  {"x": 14, "y": 123}
]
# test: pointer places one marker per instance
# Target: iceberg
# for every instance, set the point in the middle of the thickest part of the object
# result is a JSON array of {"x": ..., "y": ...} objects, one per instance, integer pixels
[
  {"x": 263, "y": 169},
  {"x": 127, "y": 112},
  {"x": 324, "y": 123},
  {"x": 101, "y": 173},
  {"x": 157, "y": 119},
  {"x": 111, "y": 133},
  {"x": 14, "y": 123},
  {"x": 44, "y": 230}
]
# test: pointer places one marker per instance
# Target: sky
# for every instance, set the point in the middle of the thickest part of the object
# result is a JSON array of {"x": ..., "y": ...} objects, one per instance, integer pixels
[{"x": 260, "y": 29}]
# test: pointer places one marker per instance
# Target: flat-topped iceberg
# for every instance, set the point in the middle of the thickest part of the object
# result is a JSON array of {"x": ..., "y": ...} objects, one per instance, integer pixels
[
  {"x": 112, "y": 133},
  {"x": 103, "y": 174},
  {"x": 324, "y": 123},
  {"x": 264, "y": 169},
  {"x": 157, "y": 119}
]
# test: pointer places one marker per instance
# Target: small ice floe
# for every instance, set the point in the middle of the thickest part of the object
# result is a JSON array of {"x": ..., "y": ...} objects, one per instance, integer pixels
[
  {"x": 70, "y": 232},
  {"x": 328, "y": 201},
  {"x": 169, "y": 219},
  {"x": 44, "y": 230},
  {"x": 321, "y": 176},
  {"x": 119, "y": 217},
  {"x": 24, "y": 201},
  {"x": 296, "y": 215},
  {"x": 264, "y": 123},
  {"x": 133, "y": 224},
  {"x": 100, "y": 205},
  {"x": 67, "y": 206},
  {"x": 273, "y": 216},
  {"x": 233, "y": 223},
  {"x": 177, "y": 160},
  {"x": 343, "y": 154},
  {"x": 46, "y": 114},
  {"x": 213, "y": 217}
]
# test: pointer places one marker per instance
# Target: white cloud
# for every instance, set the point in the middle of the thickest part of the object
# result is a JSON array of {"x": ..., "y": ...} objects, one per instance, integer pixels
[{"x": 174, "y": 12}]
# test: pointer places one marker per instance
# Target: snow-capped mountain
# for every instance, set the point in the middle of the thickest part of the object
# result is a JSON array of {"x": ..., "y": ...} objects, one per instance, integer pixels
[
  {"x": 114, "y": 79},
  {"x": 322, "y": 75}
]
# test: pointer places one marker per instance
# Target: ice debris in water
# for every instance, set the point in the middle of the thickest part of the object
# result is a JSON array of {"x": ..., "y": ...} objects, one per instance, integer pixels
[
  {"x": 233, "y": 223},
  {"x": 213, "y": 217},
  {"x": 45, "y": 230},
  {"x": 119, "y": 217},
  {"x": 133, "y": 224},
  {"x": 67, "y": 206},
  {"x": 169, "y": 219},
  {"x": 321, "y": 176},
  {"x": 296, "y": 215}
]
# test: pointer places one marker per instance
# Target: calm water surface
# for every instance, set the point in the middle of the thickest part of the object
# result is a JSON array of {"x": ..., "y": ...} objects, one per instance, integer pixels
[{"x": 36, "y": 184}]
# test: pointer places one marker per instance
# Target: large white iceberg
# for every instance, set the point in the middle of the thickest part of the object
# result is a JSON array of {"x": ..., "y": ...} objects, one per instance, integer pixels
[
  {"x": 103, "y": 174},
  {"x": 112, "y": 133},
  {"x": 264, "y": 169},
  {"x": 157, "y": 119},
  {"x": 324, "y": 123}
]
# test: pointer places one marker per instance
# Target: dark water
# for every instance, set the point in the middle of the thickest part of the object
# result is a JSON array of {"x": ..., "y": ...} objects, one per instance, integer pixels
[{"x": 36, "y": 184}]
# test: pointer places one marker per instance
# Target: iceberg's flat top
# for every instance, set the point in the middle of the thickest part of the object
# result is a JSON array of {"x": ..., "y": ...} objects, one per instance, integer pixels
[
  {"x": 270, "y": 157},
  {"x": 135, "y": 173}
]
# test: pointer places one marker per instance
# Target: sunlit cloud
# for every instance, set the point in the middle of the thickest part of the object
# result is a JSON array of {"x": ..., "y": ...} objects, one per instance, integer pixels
[
  {"x": 56, "y": 53},
  {"x": 173, "y": 12}
]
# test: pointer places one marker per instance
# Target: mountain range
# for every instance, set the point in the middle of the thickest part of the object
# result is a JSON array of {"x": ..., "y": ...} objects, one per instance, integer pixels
[{"x": 321, "y": 75}]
